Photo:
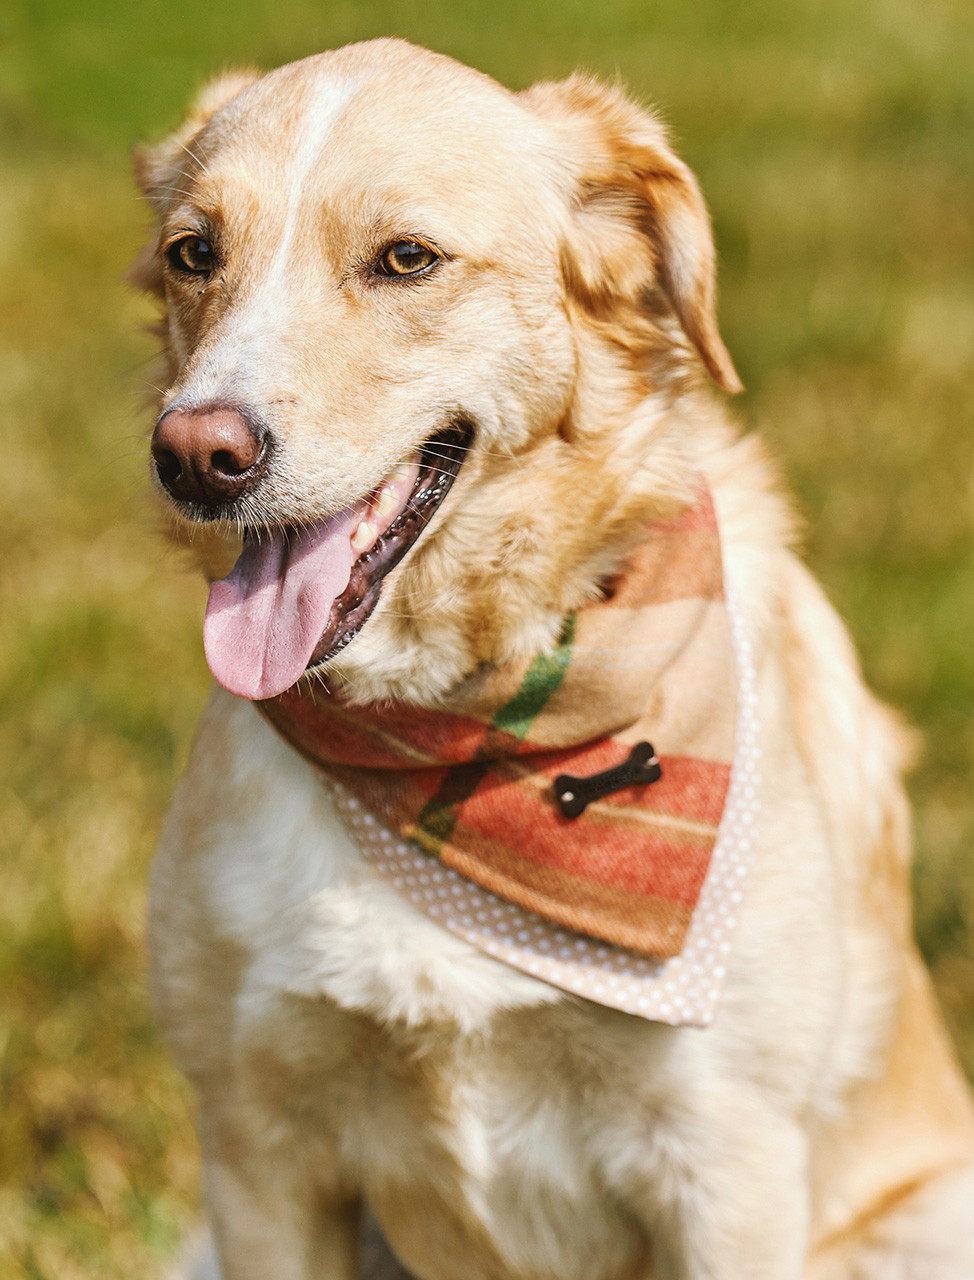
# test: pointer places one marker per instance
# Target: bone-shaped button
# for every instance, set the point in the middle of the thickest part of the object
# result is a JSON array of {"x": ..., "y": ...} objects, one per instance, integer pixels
[{"x": 575, "y": 794}]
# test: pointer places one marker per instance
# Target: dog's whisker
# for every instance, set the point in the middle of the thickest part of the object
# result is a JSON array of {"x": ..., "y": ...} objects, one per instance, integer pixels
[
  {"x": 172, "y": 190},
  {"x": 204, "y": 170}
]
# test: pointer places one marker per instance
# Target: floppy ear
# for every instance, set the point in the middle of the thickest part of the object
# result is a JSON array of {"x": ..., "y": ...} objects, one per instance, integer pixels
[
  {"x": 638, "y": 212},
  {"x": 158, "y": 165}
]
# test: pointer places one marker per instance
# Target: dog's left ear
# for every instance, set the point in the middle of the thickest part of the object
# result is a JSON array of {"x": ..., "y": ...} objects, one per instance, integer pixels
[{"x": 638, "y": 214}]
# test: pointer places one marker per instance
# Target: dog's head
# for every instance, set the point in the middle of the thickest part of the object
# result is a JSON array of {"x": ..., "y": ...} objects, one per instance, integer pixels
[{"x": 381, "y": 273}]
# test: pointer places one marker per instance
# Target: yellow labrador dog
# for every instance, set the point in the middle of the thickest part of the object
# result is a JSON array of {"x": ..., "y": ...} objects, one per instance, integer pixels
[{"x": 437, "y": 353}]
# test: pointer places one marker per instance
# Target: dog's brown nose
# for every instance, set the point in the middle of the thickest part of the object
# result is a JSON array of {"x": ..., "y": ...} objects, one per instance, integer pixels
[{"x": 210, "y": 456}]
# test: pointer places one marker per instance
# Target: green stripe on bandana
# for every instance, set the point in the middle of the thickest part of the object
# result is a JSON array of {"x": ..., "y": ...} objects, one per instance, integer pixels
[
  {"x": 540, "y": 683},
  {"x": 438, "y": 817}
]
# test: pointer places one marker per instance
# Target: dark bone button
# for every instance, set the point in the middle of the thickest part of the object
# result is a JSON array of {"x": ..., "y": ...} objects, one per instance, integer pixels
[{"x": 573, "y": 795}]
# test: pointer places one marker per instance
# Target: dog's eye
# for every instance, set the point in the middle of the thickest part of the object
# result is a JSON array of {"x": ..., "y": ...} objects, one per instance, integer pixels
[
  {"x": 192, "y": 255},
  {"x": 406, "y": 258}
]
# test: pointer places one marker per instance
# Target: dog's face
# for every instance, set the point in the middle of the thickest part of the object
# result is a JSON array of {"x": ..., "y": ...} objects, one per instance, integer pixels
[{"x": 382, "y": 272}]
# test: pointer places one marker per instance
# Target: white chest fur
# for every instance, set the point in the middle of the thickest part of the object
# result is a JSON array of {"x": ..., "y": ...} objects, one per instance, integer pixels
[{"x": 281, "y": 878}]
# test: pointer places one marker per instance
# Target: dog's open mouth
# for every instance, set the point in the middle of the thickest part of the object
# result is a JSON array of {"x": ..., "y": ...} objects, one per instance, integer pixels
[{"x": 296, "y": 596}]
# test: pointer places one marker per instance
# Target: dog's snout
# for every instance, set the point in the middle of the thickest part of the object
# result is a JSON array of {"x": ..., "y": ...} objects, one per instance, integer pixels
[{"x": 210, "y": 456}]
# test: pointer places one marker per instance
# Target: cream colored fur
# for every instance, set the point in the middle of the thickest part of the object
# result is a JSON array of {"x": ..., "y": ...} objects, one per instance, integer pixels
[{"x": 344, "y": 1048}]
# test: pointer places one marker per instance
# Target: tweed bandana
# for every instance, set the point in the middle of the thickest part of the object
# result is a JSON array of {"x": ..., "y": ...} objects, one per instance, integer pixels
[{"x": 472, "y": 783}]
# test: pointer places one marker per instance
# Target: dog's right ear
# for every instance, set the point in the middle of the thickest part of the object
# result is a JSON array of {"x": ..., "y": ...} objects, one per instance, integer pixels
[{"x": 158, "y": 165}]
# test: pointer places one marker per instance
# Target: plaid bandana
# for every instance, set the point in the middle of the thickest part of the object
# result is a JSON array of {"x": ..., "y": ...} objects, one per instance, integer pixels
[{"x": 473, "y": 783}]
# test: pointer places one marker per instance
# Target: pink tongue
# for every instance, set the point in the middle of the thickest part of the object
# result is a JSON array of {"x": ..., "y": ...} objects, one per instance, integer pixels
[{"x": 264, "y": 619}]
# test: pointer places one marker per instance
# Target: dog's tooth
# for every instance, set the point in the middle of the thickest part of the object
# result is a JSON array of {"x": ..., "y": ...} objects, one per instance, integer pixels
[
  {"x": 400, "y": 473},
  {"x": 363, "y": 537},
  {"x": 387, "y": 501}
]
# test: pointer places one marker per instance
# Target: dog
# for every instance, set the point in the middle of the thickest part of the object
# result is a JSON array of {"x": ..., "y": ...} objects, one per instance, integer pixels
[{"x": 438, "y": 356}]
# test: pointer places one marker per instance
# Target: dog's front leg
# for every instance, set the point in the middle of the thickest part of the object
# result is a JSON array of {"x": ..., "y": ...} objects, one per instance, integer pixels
[
  {"x": 728, "y": 1204},
  {"x": 242, "y": 853},
  {"x": 272, "y": 1223}
]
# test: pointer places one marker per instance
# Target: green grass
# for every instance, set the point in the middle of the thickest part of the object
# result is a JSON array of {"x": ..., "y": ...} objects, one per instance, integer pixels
[{"x": 833, "y": 141}]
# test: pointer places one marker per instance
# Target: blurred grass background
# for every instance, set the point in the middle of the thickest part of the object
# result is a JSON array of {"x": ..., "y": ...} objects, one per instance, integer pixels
[{"x": 833, "y": 141}]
